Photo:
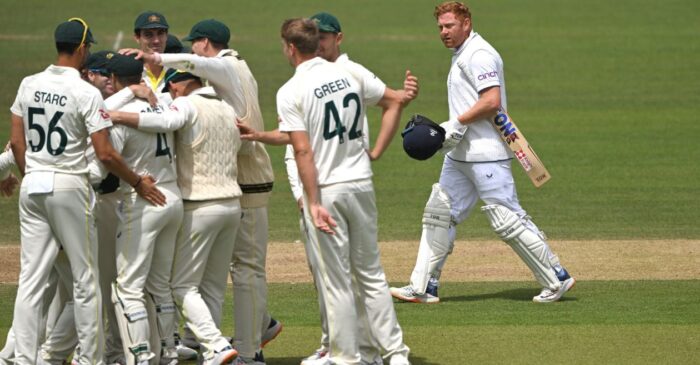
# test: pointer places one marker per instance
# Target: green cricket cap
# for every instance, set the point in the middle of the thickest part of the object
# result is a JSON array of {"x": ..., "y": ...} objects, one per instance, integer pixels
[
  {"x": 326, "y": 22},
  {"x": 150, "y": 20},
  {"x": 98, "y": 60},
  {"x": 173, "y": 45},
  {"x": 121, "y": 65},
  {"x": 73, "y": 31},
  {"x": 176, "y": 76},
  {"x": 211, "y": 29}
]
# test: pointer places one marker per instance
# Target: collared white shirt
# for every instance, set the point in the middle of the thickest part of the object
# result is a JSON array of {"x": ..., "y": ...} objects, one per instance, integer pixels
[
  {"x": 60, "y": 111},
  {"x": 476, "y": 66}
]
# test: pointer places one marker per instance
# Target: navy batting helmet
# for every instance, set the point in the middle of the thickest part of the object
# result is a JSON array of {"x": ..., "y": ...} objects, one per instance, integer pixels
[{"x": 422, "y": 137}]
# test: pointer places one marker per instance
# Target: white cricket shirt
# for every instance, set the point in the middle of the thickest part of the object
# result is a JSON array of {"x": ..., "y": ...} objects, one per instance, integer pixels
[
  {"x": 476, "y": 66},
  {"x": 374, "y": 89},
  {"x": 60, "y": 111},
  {"x": 327, "y": 102},
  {"x": 144, "y": 152}
]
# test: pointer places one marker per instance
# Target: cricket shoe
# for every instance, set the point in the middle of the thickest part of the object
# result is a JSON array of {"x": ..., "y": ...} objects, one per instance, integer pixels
[
  {"x": 272, "y": 331},
  {"x": 547, "y": 295},
  {"x": 223, "y": 356},
  {"x": 399, "y": 359},
  {"x": 186, "y": 353},
  {"x": 319, "y": 357},
  {"x": 259, "y": 359},
  {"x": 407, "y": 294}
]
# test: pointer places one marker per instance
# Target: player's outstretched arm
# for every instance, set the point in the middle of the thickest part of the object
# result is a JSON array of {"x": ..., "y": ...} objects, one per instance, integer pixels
[
  {"x": 308, "y": 175},
  {"x": 391, "y": 104},
  {"x": 113, "y": 161},
  {"x": 273, "y": 137}
]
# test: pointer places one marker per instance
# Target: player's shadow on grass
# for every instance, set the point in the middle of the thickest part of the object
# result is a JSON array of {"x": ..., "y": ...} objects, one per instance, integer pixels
[
  {"x": 415, "y": 360},
  {"x": 520, "y": 294}
]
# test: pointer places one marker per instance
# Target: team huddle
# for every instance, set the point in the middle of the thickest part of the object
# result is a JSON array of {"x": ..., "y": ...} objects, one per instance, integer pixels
[{"x": 145, "y": 184}]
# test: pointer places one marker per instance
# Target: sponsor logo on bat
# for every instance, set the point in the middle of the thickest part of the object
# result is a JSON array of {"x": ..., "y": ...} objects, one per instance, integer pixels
[
  {"x": 506, "y": 127},
  {"x": 524, "y": 161}
]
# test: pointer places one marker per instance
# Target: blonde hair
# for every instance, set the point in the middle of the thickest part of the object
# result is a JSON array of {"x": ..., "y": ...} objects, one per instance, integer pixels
[
  {"x": 460, "y": 10},
  {"x": 302, "y": 33}
]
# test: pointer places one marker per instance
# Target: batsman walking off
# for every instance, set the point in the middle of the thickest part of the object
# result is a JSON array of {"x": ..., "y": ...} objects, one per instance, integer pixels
[{"x": 479, "y": 167}]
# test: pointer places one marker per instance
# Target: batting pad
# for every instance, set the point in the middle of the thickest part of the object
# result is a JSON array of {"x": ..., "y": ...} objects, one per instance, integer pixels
[
  {"x": 133, "y": 352},
  {"x": 435, "y": 242},
  {"x": 527, "y": 244}
]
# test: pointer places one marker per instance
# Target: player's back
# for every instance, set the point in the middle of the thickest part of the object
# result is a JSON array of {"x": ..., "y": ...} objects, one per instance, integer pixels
[
  {"x": 60, "y": 111},
  {"x": 146, "y": 152},
  {"x": 330, "y": 101}
]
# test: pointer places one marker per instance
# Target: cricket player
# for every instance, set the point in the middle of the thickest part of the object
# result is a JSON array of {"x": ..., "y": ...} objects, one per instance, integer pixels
[
  {"x": 228, "y": 73},
  {"x": 340, "y": 210},
  {"x": 145, "y": 238},
  {"x": 479, "y": 167},
  {"x": 54, "y": 114},
  {"x": 330, "y": 38},
  {"x": 207, "y": 144},
  {"x": 151, "y": 34}
]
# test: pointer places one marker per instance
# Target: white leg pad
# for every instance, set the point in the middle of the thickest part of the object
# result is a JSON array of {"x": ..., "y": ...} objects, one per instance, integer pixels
[
  {"x": 128, "y": 323},
  {"x": 527, "y": 244},
  {"x": 435, "y": 242}
]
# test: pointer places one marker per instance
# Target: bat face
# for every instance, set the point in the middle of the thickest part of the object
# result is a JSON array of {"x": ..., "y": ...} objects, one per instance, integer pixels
[
  {"x": 507, "y": 129},
  {"x": 517, "y": 143}
]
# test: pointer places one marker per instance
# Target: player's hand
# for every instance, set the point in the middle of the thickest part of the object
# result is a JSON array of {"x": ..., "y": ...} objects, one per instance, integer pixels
[
  {"x": 322, "y": 219},
  {"x": 410, "y": 87},
  {"x": 454, "y": 133},
  {"x": 147, "y": 57},
  {"x": 248, "y": 133},
  {"x": 115, "y": 116},
  {"x": 8, "y": 185},
  {"x": 373, "y": 155},
  {"x": 147, "y": 189},
  {"x": 144, "y": 92},
  {"x": 130, "y": 51}
]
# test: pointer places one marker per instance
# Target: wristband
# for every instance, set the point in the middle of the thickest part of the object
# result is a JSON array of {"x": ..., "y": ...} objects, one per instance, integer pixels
[{"x": 137, "y": 182}]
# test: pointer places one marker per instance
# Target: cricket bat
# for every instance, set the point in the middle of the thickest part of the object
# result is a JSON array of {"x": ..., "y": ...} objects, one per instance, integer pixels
[{"x": 517, "y": 143}]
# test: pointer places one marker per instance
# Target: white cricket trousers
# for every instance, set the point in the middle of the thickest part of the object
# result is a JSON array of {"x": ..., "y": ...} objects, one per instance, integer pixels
[
  {"x": 145, "y": 248},
  {"x": 62, "y": 218},
  {"x": 369, "y": 351},
  {"x": 250, "y": 281},
  {"x": 61, "y": 339},
  {"x": 353, "y": 252},
  {"x": 202, "y": 258},
  {"x": 466, "y": 183}
]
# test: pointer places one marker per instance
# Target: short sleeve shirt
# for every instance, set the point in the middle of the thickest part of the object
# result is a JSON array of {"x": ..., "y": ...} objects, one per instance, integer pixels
[
  {"x": 327, "y": 102},
  {"x": 59, "y": 111}
]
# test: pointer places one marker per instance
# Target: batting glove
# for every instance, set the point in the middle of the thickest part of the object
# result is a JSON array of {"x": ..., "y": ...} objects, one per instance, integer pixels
[{"x": 454, "y": 132}]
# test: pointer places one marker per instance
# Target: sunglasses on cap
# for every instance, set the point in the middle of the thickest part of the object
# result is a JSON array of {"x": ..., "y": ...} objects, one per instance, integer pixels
[{"x": 101, "y": 71}]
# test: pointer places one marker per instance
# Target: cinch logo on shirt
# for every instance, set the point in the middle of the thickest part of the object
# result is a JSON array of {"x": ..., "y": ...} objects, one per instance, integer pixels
[{"x": 487, "y": 75}]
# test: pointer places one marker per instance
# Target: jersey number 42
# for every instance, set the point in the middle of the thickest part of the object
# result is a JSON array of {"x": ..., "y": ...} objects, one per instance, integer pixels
[{"x": 331, "y": 112}]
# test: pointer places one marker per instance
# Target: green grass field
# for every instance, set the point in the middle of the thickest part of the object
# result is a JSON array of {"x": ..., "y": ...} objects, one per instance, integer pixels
[{"x": 608, "y": 94}]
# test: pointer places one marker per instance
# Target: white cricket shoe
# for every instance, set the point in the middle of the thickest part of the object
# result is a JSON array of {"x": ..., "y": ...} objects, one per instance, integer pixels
[
  {"x": 399, "y": 359},
  {"x": 547, "y": 295},
  {"x": 185, "y": 353},
  {"x": 319, "y": 357},
  {"x": 272, "y": 331},
  {"x": 223, "y": 356},
  {"x": 407, "y": 294}
]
